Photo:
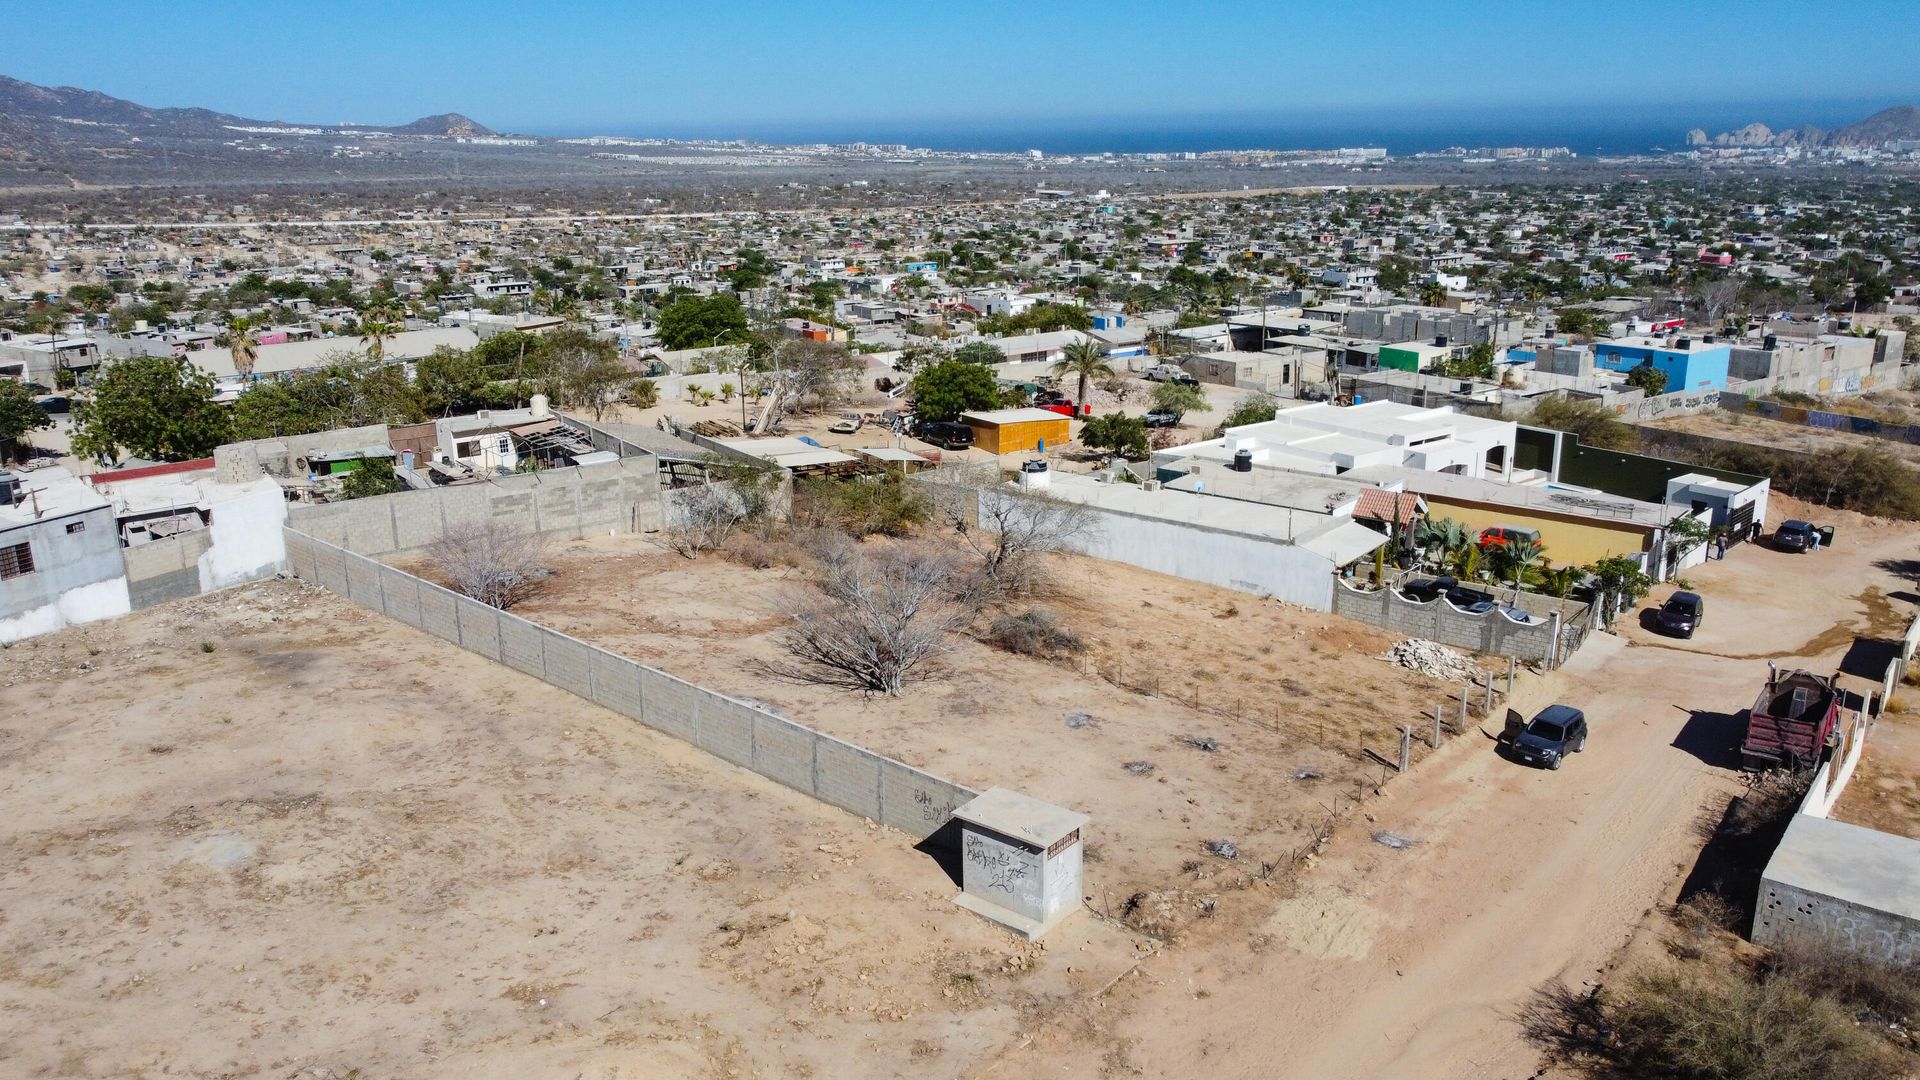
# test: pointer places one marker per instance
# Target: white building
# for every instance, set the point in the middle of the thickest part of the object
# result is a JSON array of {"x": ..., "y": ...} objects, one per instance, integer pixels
[{"x": 1331, "y": 440}]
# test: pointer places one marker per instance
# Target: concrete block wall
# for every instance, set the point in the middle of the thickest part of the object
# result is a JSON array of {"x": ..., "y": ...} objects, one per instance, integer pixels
[
  {"x": 1492, "y": 633},
  {"x": 617, "y": 496},
  {"x": 1843, "y": 887},
  {"x": 166, "y": 569},
  {"x": 835, "y": 772}
]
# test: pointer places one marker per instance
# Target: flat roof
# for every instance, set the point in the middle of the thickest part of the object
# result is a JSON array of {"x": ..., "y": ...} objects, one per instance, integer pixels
[
  {"x": 1315, "y": 492},
  {"x": 1261, "y": 520},
  {"x": 1022, "y": 817},
  {"x": 891, "y": 453},
  {"x": 1572, "y": 502},
  {"x": 54, "y": 492},
  {"x": 1010, "y": 416},
  {"x": 1852, "y": 863}
]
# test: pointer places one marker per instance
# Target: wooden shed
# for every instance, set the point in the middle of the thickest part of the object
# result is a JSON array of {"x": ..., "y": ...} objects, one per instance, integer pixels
[{"x": 1008, "y": 431}]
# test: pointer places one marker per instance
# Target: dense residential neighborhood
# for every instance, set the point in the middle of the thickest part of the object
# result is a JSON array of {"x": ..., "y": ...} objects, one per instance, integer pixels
[{"x": 1345, "y": 612}]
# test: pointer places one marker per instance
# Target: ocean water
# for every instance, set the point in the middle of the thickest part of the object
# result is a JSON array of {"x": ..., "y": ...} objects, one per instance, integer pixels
[{"x": 1585, "y": 130}]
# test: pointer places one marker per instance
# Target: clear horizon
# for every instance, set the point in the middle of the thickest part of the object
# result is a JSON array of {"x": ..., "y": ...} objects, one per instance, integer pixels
[{"x": 777, "y": 72}]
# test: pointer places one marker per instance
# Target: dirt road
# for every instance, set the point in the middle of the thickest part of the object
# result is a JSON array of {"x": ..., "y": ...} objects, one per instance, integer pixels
[{"x": 1413, "y": 962}]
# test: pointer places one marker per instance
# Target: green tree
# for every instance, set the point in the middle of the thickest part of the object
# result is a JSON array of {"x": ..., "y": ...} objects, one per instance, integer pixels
[
  {"x": 1649, "y": 379},
  {"x": 980, "y": 352},
  {"x": 699, "y": 322},
  {"x": 377, "y": 329},
  {"x": 584, "y": 371},
  {"x": 1433, "y": 294},
  {"x": 1252, "y": 409},
  {"x": 1124, "y": 435},
  {"x": 1618, "y": 584},
  {"x": 347, "y": 392},
  {"x": 19, "y": 414},
  {"x": 1179, "y": 398},
  {"x": 241, "y": 346},
  {"x": 944, "y": 390},
  {"x": 452, "y": 381},
  {"x": 154, "y": 407},
  {"x": 1475, "y": 363},
  {"x": 371, "y": 476},
  {"x": 1514, "y": 559},
  {"x": 1083, "y": 361},
  {"x": 1597, "y": 425}
]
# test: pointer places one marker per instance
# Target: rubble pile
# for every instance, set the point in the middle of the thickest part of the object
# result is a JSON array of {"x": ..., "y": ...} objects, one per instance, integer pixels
[{"x": 1434, "y": 659}]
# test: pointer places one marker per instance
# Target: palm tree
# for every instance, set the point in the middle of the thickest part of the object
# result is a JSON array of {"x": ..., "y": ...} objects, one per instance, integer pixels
[
  {"x": 1083, "y": 359},
  {"x": 241, "y": 345},
  {"x": 376, "y": 329},
  {"x": 1516, "y": 557},
  {"x": 1433, "y": 294},
  {"x": 1444, "y": 533}
]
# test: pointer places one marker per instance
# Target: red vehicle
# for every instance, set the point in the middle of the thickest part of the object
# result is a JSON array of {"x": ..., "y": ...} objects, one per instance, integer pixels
[
  {"x": 1068, "y": 408},
  {"x": 1793, "y": 721},
  {"x": 1502, "y": 535}
]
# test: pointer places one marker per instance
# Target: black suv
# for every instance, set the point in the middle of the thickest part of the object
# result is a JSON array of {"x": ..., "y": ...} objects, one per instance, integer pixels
[
  {"x": 1549, "y": 737},
  {"x": 1681, "y": 614},
  {"x": 1795, "y": 535},
  {"x": 947, "y": 435}
]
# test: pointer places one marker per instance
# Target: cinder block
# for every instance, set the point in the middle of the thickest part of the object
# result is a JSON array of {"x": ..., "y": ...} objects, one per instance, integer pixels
[
  {"x": 672, "y": 705},
  {"x": 416, "y": 519},
  {"x": 523, "y": 645},
  {"x": 439, "y": 612},
  {"x": 616, "y": 683},
  {"x": 847, "y": 777},
  {"x": 915, "y": 802},
  {"x": 783, "y": 751},
  {"x": 330, "y": 568},
  {"x": 479, "y": 627},
  {"x": 567, "y": 664},
  {"x": 363, "y": 582},
  {"x": 402, "y": 594},
  {"x": 725, "y": 729}
]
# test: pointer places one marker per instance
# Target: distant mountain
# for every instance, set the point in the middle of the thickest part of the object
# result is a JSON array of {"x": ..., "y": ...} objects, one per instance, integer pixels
[
  {"x": 1887, "y": 125},
  {"x": 65, "y": 112},
  {"x": 450, "y": 124}
]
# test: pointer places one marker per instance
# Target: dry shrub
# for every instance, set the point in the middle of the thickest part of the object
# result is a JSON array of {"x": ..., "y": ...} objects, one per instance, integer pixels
[
  {"x": 1882, "y": 996},
  {"x": 1035, "y": 634},
  {"x": 1725, "y": 1024},
  {"x": 881, "y": 617},
  {"x": 497, "y": 563}
]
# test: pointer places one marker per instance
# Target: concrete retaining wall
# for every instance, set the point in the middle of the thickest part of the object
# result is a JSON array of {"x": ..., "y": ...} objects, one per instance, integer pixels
[
  {"x": 835, "y": 772},
  {"x": 166, "y": 569},
  {"x": 617, "y": 496},
  {"x": 1493, "y": 633},
  {"x": 1850, "y": 889}
]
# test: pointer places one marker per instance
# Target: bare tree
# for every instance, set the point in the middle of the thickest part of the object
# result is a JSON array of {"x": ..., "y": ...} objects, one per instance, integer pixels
[
  {"x": 1716, "y": 298},
  {"x": 498, "y": 563},
  {"x": 701, "y": 518},
  {"x": 883, "y": 616},
  {"x": 1005, "y": 530}
]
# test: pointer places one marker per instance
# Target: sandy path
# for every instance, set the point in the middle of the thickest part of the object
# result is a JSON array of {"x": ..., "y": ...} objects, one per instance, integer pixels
[{"x": 1413, "y": 962}]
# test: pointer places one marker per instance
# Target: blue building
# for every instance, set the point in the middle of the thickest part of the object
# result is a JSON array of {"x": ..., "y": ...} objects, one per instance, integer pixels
[{"x": 1688, "y": 363}]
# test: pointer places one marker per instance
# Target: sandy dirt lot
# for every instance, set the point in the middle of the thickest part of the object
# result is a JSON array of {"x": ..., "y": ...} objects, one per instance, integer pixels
[
  {"x": 1760, "y": 431},
  {"x": 1289, "y": 696},
  {"x": 1413, "y": 962},
  {"x": 332, "y": 846}
]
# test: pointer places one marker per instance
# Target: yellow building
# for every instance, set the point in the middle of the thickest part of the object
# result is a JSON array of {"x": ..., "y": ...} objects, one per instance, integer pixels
[
  {"x": 1009, "y": 431},
  {"x": 1565, "y": 539}
]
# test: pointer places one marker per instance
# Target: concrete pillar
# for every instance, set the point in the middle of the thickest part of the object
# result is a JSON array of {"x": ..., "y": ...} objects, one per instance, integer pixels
[{"x": 1406, "y": 747}]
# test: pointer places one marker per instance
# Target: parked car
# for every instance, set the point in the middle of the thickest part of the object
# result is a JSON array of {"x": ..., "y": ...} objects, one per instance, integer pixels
[
  {"x": 1469, "y": 600},
  {"x": 1681, "y": 614},
  {"x": 1502, "y": 535},
  {"x": 1162, "y": 418},
  {"x": 846, "y": 425},
  {"x": 1068, "y": 408},
  {"x": 1793, "y": 535},
  {"x": 1163, "y": 372},
  {"x": 1184, "y": 379},
  {"x": 1547, "y": 739},
  {"x": 947, "y": 435}
]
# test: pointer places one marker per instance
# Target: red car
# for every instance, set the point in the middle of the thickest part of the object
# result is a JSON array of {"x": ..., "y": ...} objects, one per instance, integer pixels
[
  {"x": 1068, "y": 408},
  {"x": 1502, "y": 535}
]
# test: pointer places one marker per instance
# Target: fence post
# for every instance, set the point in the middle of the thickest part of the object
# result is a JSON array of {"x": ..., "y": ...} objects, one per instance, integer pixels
[
  {"x": 1512, "y": 664},
  {"x": 1406, "y": 747},
  {"x": 1465, "y": 688},
  {"x": 1489, "y": 693},
  {"x": 1436, "y": 727},
  {"x": 1553, "y": 643}
]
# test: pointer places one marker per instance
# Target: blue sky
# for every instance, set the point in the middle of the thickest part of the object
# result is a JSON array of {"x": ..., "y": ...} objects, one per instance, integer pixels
[{"x": 760, "y": 69}]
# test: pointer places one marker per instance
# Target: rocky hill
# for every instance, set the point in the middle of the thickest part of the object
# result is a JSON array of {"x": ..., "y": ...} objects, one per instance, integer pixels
[
  {"x": 1887, "y": 125},
  {"x": 66, "y": 112}
]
